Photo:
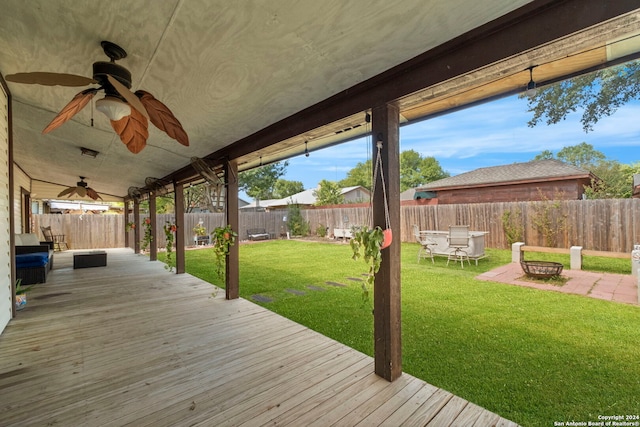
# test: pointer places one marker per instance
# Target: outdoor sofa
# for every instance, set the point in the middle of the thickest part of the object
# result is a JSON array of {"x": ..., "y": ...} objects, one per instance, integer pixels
[{"x": 34, "y": 258}]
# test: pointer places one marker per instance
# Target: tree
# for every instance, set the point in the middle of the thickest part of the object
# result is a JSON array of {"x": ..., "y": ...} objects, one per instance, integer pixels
[
  {"x": 582, "y": 155},
  {"x": 600, "y": 93},
  {"x": 545, "y": 155},
  {"x": 285, "y": 188},
  {"x": 361, "y": 175},
  {"x": 415, "y": 170},
  {"x": 615, "y": 180},
  {"x": 194, "y": 196},
  {"x": 165, "y": 204},
  {"x": 260, "y": 183},
  {"x": 328, "y": 193}
]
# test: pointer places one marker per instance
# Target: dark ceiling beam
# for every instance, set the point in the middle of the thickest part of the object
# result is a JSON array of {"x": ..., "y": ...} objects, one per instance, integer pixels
[{"x": 535, "y": 24}]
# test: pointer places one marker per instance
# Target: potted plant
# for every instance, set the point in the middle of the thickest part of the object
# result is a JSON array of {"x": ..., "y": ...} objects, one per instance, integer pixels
[
  {"x": 200, "y": 234},
  {"x": 367, "y": 244},
  {"x": 223, "y": 239},
  {"x": 21, "y": 295}
]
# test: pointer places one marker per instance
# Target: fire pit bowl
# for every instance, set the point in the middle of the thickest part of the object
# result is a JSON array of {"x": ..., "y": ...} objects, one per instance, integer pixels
[{"x": 541, "y": 269}]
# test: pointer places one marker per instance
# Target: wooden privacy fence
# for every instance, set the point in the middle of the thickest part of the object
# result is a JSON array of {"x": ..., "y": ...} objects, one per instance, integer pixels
[{"x": 600, "y": 225}]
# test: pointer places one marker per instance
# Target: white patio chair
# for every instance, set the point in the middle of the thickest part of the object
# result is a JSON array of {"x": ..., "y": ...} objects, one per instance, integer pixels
[
  {"x": 425, "y": 250},
  {"x": 459, "y": 241}
]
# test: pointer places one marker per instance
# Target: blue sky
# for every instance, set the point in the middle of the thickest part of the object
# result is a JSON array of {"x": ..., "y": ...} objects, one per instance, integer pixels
[{"x": 491, "y": 134}]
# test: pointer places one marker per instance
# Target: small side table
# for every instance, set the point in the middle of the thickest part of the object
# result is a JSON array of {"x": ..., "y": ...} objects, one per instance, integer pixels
[
  {"x": 202, "y": 240},
  {"x": 90, "y": 259}
]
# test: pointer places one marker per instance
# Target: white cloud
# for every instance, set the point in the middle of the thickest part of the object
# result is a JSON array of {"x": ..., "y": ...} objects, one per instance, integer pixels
[{"x": 487, "y": 135}]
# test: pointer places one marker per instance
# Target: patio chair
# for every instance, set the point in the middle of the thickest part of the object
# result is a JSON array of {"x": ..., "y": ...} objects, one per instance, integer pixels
[
  {"x": 425, "y": 250},
  {"x": 458, "y": 241},
  {"x": 58, "y": 240}
]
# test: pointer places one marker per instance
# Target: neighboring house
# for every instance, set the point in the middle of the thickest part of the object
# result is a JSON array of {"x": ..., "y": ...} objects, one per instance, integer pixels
[
  {"x": 411, "y": 197},
  {"x": 354, "y": 194},
  {"x": 530, "y": 181},
  {"x": 636, "y": 186}
]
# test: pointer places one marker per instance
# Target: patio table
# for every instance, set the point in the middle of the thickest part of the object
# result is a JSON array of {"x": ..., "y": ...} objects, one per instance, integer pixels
[{"x": 476, "y": 243}]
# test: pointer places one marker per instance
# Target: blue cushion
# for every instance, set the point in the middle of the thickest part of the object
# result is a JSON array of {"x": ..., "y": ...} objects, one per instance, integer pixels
[{"x": 38, "y": 259}]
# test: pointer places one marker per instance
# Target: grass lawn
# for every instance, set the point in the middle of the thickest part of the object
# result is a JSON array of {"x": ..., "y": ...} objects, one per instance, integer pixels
[{"x": 532, "y": 356}]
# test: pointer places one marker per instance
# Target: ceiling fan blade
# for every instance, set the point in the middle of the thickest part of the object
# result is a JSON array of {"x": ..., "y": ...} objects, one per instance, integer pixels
[
  {"x": 71, "y": 109},
  {"x": 50, "y": 79},
  {"x": 69, "y": 191},
  {"x": 81, "y": 191},
  {"x": 131, "y": 98},
  {"x": 132, "y": 130},
  {"x": 163, "y": 118},
  {"x": 93, "y": 194}
]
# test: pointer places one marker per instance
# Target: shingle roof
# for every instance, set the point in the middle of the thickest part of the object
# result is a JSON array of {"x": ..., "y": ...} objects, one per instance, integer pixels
[
  {"x": 305, "y": 197},
  {"x": 515, "y": 172}
]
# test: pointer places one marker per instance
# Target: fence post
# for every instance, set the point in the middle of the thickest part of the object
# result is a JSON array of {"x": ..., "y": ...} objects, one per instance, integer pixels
[{"x": 516, "y": 251}]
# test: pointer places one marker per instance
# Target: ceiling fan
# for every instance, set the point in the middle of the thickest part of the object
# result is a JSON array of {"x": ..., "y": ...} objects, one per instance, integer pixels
[
  {"x": 81, "y": 189},
  {"x": 127, "y": 111}
]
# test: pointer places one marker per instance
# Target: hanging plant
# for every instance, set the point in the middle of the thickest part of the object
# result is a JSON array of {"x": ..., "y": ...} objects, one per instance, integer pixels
[
  {"x": 146, "y": 240},
  {"x": 223, "y": 239},
  {"x": 199, "y": 230},
  {"x": 130, "y": 226},
  {"x": 367, "y": 244},
  {"x": 169, "y": 230}
]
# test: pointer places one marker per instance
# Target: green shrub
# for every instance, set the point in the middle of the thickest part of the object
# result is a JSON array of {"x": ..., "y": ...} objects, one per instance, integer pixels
[
  {"x": 321, "y": 231},
  {"x": 296, "y": 223}
]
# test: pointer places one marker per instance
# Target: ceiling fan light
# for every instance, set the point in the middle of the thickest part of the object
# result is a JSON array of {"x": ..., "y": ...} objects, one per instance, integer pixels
[{"x": 113, "y": 108}]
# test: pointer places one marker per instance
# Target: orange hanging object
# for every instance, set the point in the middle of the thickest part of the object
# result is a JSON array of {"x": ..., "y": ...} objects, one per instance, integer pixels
[{"x": 388, "y": 237}]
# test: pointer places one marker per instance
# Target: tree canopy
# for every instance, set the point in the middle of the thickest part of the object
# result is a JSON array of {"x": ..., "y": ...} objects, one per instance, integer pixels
[
  {"x": 600, "y": 94},
  {"x": 328, "y": 193},
  {"x": 582, "y": 155},
  {"x": 285, "y": 188},
  {"x": 260, "y": 183},
  {"x": 360, "y": 174},
  {"x": 415, "y": 170},
  {"x": 595, "y": 95}
]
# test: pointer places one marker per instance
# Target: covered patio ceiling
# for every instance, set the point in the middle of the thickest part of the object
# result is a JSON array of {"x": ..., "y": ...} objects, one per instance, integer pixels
[{"x": 255, "y": 80}]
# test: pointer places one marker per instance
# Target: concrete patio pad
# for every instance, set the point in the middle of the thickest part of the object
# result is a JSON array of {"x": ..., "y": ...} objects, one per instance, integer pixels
[{"x": 607, "y": 286}]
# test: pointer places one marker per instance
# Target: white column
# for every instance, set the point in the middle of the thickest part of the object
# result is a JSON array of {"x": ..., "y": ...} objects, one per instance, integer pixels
[
  {"x": 576, "y": 258},
  {"x": 516, "y": 250}
]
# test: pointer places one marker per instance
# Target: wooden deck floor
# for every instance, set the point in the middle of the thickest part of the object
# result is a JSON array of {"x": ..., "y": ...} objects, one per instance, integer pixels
[{"x": 131, "y": 344}]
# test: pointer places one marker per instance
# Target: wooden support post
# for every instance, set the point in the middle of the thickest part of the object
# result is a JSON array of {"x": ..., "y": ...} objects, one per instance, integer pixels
[
  {"x": 232, "y": 267},
  {"x": 179, "y": 208},
  {"x": 153, "y": 217},
  {"x": 386, "y": 293},
  {"x": 136, "y": 231}
]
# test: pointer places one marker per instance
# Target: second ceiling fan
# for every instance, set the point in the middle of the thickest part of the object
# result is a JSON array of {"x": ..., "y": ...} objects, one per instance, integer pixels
[{"x": 128, "y": 112}]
